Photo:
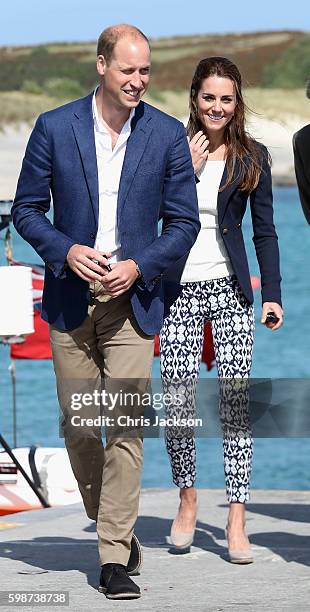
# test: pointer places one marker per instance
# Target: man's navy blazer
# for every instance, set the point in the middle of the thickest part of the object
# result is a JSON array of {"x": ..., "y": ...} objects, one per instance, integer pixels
[
  {"x": 232, "y": 203},
  {"x": 157, "y": 180}
]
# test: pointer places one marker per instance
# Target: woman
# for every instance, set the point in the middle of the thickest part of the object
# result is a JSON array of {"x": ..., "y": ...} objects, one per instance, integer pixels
[{"x": 213, "y": 283}]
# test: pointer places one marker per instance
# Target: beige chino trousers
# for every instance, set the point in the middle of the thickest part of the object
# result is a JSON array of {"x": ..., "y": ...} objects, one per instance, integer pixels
[{"x": 107, "y": 348}]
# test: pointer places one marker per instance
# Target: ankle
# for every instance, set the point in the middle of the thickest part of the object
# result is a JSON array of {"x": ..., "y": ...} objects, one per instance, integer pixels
[
  {"x": 236, "y": 516},
  {"x": 188, "y": 495}
]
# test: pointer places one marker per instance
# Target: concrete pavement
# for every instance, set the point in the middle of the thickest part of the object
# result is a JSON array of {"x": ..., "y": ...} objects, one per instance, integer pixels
[{"x": 55, "y": 549}]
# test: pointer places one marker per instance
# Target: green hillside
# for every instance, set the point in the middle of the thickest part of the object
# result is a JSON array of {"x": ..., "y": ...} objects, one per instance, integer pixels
[
  {"x": 279, "y": 59},
  {"x": 33, "y": 79}
]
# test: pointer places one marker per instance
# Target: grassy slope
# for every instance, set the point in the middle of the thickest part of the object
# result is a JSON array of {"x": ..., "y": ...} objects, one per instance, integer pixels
[
  {"x": 173, "y": 68},
  {"x": 174, "y": 60}
]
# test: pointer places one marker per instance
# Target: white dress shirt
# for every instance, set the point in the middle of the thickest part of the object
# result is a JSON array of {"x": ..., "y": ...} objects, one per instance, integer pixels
[
  {"x": 109, "y": 164},
  {"x": 208, "y": 258}
]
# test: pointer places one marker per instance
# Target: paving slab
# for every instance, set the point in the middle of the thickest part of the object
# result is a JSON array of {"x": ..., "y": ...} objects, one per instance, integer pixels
[{"x": 56, "y": 550}]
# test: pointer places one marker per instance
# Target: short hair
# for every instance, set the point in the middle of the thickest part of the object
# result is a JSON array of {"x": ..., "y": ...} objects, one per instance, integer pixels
[{"x": 111, "y": 35}]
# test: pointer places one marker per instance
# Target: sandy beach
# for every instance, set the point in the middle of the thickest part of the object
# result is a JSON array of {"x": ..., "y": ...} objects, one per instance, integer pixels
[
  {"x": 276, "y": 135},
  {"x": 13, "y": 142}
]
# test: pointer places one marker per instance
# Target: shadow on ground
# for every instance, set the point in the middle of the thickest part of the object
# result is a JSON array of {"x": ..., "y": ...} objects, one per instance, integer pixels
[{"x": 60, "y": 554}]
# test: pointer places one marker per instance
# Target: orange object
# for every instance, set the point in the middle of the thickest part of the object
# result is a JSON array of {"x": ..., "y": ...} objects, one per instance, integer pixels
[{"x": 255, "y": 282}]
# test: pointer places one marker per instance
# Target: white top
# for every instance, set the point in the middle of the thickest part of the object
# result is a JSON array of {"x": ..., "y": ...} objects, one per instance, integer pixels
[
  {"x": 208, "y": 258},
  {"x": 109, "y": 164}
]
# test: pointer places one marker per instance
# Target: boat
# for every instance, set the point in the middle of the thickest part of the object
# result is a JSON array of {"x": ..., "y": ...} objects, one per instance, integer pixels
[{"x": 49, "y": 469}]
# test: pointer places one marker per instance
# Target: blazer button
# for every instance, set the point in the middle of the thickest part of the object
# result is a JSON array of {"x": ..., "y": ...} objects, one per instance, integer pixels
[
  {"x": 93, "y": 235},
  {"x": 225, "y": 230},
  {"x": 238, "y": 225}
]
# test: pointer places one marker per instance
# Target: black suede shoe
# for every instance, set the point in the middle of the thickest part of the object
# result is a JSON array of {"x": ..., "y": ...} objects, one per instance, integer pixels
[
  {"x": 116, "y": 584},
  {"x": 135, "y": 559}
]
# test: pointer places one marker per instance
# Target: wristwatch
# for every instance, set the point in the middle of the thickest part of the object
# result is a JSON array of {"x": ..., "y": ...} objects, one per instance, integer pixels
[{"x": 137, "y": 268}]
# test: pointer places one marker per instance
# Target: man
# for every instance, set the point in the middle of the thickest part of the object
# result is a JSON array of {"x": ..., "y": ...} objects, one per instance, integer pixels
[
  {"x": 301, "y": 146},
  {"x": 113, "y": 166}
]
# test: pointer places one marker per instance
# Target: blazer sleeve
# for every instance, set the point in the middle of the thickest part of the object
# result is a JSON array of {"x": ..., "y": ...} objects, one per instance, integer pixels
[
  {"x": 179, "y": 213},
  {"x": 265, "y": 237},
  {"x": 301, "y": 147},
  {"x": 32, "y": 202}
]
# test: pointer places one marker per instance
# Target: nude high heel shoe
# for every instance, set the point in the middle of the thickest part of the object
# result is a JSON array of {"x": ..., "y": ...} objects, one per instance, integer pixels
[
  {"x": 181, "y": 540},
  {"x": 241, "y": 557}
]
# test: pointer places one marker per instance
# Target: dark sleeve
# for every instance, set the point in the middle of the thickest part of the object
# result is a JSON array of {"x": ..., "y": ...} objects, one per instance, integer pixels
[
  {"x": 301, "y": 147},
  {"x": 33, "y": 200},
  {"x": 265, "y": 237}
]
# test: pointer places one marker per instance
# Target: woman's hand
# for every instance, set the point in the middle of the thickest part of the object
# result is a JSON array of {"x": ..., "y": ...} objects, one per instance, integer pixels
[
  {"x": 199, "y": 150},
  {"x": 272, "y": 307}
]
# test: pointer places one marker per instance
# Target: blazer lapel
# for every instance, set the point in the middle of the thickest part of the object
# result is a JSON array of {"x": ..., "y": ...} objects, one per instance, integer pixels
[
  {"x": 223, "y": 196},
  {"x": 83, "y": 127},
  {"x": 137, "y": 141}
]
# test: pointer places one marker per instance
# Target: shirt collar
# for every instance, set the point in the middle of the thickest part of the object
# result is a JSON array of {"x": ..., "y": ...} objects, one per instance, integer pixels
[{"x": 100, "y": 127}]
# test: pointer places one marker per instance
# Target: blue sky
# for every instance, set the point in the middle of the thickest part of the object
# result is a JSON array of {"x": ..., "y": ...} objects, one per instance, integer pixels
[{"x": 39, "y": 21}]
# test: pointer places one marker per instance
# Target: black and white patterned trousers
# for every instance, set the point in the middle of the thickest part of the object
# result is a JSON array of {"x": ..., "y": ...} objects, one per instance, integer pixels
[{"x": 222, "y": 302}]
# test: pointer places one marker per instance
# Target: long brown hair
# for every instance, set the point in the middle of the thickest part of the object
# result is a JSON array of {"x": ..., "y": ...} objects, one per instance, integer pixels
[{"x": 240, "y": 146}]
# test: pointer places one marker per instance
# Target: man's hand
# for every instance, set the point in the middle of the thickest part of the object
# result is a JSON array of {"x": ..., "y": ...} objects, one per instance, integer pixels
[
  {"x": 272, "y": 307},
  {"x": 122, "y": 277},
  {"x": 80, "y": 259},
  {"x": 199, "y": 148}
]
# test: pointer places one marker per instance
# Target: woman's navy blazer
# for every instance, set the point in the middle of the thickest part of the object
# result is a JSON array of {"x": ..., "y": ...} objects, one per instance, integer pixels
[{"x": 232, "y": 203}]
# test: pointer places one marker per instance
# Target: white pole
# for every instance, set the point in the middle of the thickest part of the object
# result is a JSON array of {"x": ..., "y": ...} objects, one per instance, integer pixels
[{"x": 12, "y": 370}]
